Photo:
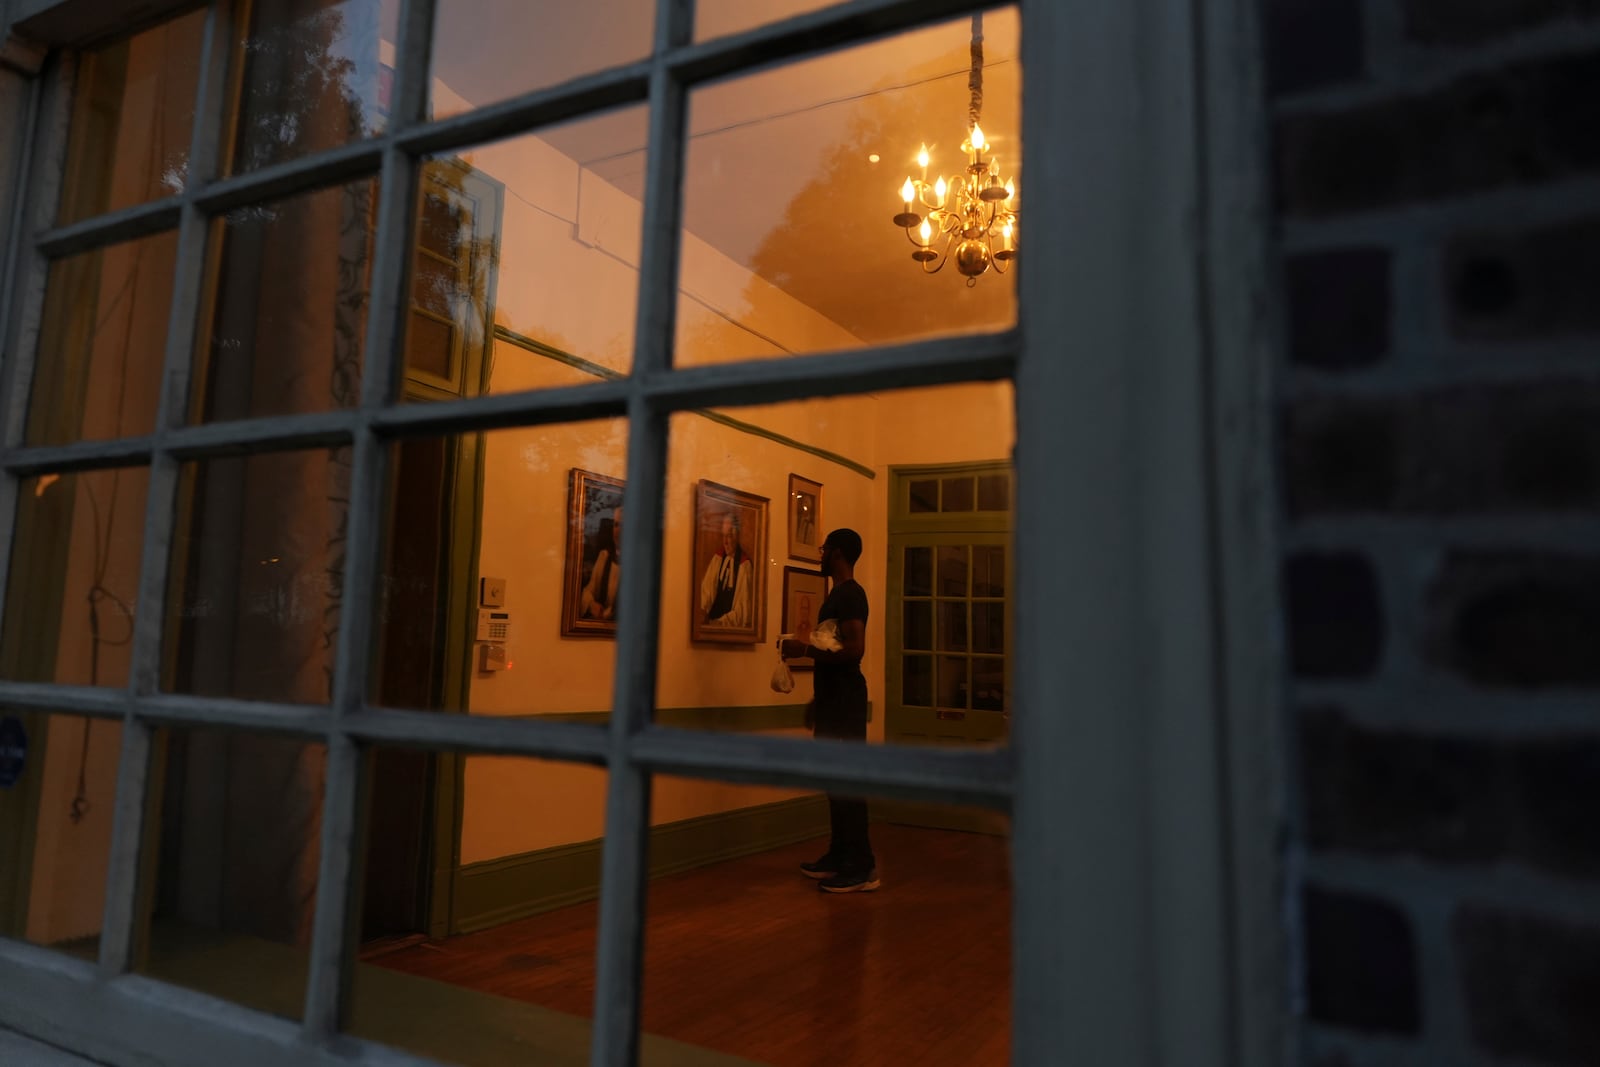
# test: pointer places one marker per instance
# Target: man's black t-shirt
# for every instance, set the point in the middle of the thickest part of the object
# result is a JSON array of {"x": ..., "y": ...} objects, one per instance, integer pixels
[{"x": 842, "y": 684}]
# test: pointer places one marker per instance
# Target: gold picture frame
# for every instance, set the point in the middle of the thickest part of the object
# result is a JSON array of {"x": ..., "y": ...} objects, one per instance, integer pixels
[
  {"x": 803, "y": 594},
  {"x": 592, "y": 572},
  {"x": 728, "y": 585},
  {"x": 805, "y": 519}
]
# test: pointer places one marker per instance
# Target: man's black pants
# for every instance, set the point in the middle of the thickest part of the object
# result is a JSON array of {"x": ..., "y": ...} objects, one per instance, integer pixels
[{"x": 850, "y": 846}]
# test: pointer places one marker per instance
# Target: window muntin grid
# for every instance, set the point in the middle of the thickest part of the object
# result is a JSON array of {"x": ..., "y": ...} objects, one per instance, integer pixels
[{"x": 631, "y": 748}]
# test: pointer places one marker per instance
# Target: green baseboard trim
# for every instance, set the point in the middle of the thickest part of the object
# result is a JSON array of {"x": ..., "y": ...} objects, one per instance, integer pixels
[
  {"x": 941, "y": 817},
  {"x": 498, "y": 891}
]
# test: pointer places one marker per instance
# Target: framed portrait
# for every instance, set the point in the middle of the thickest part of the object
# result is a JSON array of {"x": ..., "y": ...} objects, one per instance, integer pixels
[
  {"x": 593, "y": 566},
  {"x": 803, "y": 594},
  {"x": 728, "y": 587},
  {"x": 805, "y": 519}
]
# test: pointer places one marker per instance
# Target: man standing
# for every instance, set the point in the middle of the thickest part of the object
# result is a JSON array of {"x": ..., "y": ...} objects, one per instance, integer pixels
[{"x": 839, "y": 710}]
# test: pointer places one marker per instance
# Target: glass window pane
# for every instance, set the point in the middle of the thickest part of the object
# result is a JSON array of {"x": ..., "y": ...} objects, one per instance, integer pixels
[
  {"x": 257, "y": 567},
  {"x": 988, "y": 627},
  {"x": 924, "y": 495},
  {"x": 780, "y": 973},
  {"x": 102, "y": 342},
  {"x": 952, "y": 626},
  {"x": 919, "y": 624},
  {"x": 917, "y": 681},
  {"x": 953, "y": 570},
  {"x": 74, "y": 577},
  {"x": 132, "y": 118},
  {"x": 725, "y": 597},
  {"x": 528, "y": 264},
  {"x": 956, "y": 494},
  {"x": 919, "y": 572},
  {"x": 795, "y": 240},
  {"x": 952, "y": 681},
  {"x": 57, "y": 814},
  {"x": 289, "y": 320},
  {"x": 317, "y": 74},
  {"x": 994, "y": 492},
  {"x": 718, "y": 18},
  {"x": 988, "y": 683},
  {"x": 513, "y": 982},
  {"x": 500, "y": 572},
  {"x": 485, "y": 51},
  {"x": 988, "y": 570},
  {"x": 232, "y": 848}
]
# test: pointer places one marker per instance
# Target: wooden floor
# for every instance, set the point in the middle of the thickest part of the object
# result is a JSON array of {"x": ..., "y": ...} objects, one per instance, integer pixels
[{"x": 747, "y": 957}]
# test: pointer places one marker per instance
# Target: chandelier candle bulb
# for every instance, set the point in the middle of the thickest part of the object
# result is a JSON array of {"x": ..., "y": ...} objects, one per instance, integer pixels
[{"x": 907, "y": 218}]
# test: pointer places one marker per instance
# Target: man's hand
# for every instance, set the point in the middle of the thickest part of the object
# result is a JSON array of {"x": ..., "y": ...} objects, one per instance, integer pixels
[{"x": 793, "y": 649}]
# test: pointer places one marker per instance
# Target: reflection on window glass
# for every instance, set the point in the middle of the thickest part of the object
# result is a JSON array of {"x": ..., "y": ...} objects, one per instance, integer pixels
[
  {"x": 718, "y": 18},
  {"x": 232, "y": 850},
  {"x": 485, "y": 51},
  {"x": 289, "y": 319},
  {"x": 102, "y": 342},
  {"x": 316, "y": 74},
  {"x": 515, "y": 984},
  {"x": 257, "y": 568},
  {"x": 794, "y": 237},
  {"x": 925, "y": 495},
  {"x": 527, "y": 262},
  {"x": 74, "y": 577},
  {"x": 501, "y": 569},
  {"x": 132, "y": 117},
  {"x": 59, "y": 810}
]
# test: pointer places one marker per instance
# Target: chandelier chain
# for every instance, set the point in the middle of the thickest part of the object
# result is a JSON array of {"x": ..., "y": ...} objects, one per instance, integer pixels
[{"x": 975, "y": 77}]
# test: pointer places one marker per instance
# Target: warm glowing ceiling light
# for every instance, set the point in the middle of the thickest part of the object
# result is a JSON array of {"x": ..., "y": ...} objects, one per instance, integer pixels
[{"x": 972, "y": 213}]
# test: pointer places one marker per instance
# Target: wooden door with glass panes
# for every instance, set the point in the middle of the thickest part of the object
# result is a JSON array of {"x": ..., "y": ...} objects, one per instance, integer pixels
[{"x": 947, "y": 632}]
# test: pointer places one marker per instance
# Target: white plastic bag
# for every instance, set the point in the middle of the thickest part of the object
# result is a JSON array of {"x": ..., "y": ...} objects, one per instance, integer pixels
[
  {"x": 825, "y": 636},
  {"x": 782, "y": 679}
]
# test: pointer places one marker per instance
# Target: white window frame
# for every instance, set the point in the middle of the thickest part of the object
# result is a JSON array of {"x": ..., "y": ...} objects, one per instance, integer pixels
[{"x": 1142, "y": 773}]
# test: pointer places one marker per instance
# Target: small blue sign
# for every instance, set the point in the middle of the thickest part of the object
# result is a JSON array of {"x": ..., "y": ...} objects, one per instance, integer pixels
[{"x": 13, "y": 750}]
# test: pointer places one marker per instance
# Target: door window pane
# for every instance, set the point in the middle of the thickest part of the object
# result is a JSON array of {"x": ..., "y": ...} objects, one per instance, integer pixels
[
  {"x": 956, "y": 494},
  {"x": 988, "y": 683},
  {"x": 102, "y": 343},
  {"x": 919, "y": 572},
  {"x": 919, "y": 624},
  {"x": 953, "y": 570},
  {"x": 132, "y": 118},
  {"x": 917, "y": 681},
  {"x": 988, "y": 627},
  {"x": 952, "y": 626},
  {"x": 994, "y": 492},
  {"x": 317, "y": 74},
  {"x": 925, "y": 495},
  {"x": 988, "y": 570},
  {"x": 952, "y": 681}
]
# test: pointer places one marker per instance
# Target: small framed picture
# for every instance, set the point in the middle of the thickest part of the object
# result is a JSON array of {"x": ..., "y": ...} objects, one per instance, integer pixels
[
  {"x": 805, "y": 519},
  {"x": 593, "y": 566},
  {"x": 729, "y": 582},
  {"x": 803, "y": 594}
]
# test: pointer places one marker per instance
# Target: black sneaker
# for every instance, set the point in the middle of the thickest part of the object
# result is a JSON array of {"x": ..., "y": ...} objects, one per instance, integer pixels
[
  {"x": 850, "y": 883},
  {"x": 822, "y": 867}
]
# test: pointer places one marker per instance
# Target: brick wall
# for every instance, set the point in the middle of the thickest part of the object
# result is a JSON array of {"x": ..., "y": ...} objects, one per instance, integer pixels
[{"x": 1437, "y": 183}]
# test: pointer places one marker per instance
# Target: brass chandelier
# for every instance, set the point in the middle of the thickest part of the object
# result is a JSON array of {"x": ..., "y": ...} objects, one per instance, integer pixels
[{"x": 973, "y": 214}]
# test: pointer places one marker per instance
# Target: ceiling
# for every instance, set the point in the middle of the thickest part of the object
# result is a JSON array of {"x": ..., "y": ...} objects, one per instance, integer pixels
[{"x": 778, "y": 171}]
